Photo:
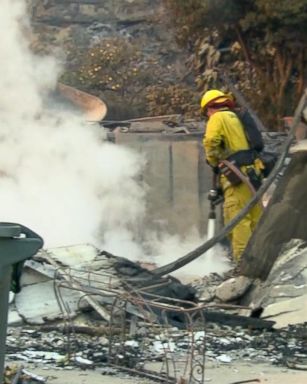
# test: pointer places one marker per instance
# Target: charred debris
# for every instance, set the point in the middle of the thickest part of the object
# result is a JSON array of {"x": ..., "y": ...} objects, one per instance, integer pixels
[{"x": 80, "y": 307}]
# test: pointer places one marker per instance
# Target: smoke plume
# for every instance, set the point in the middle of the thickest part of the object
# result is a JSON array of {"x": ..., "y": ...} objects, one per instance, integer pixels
[{"x": 58, "y": 175}]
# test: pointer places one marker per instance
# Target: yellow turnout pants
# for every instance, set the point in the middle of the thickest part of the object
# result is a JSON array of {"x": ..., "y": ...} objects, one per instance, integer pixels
[{"x": 236, "y": 197}]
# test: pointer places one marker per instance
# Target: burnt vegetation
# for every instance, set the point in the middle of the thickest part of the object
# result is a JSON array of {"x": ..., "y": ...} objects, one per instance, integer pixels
[
  {"x": 260, "y": 43},
  {"x": 162, "y": 63}
]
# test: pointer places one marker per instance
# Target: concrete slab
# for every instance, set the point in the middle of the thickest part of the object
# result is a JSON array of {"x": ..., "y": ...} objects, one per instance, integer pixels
[
  {"x": 14, "y": 319},
  {"x": 38, "y": 303},
  {"x": 284, "y": 293},
  {"x": 287, "y": 312}
]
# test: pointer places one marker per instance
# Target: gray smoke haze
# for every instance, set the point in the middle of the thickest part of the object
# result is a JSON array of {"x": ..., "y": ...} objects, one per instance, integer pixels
[{"x": 57, "y": 174}]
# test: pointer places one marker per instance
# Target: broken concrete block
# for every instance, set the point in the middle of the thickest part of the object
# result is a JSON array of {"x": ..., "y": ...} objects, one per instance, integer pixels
[
  {"x": 287, "y": 312},
  {"x": 31, "y": 276},
  {"x": 38, "y": 303},
  {"x": 233, "y": 288},
  {"x": 280, "y": 292},
  {"x": 285, "y": 289}
]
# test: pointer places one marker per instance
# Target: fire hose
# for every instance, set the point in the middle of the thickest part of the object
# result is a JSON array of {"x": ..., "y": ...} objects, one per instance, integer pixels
[
  {"x": 241, "y": 176},
  {"x": 189, "y": 257},
  {"x": 215, "y": 197}
]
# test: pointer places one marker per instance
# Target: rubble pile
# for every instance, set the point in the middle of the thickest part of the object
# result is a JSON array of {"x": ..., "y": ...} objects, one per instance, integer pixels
[
  {"x": 79, "y": 307},
  {"x": 34, "y": 346},
  {"x": 221, "y": 288},
  {"x": 287, "y": 347},
  {"x": 280, "y": 298},
  {"x": 68, "y": 280},
  {"x": 16, "y": 374},
  {"x": 283, "y": 295}
]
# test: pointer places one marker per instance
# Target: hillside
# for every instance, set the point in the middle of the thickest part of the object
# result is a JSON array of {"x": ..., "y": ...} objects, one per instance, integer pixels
[{"x": 69, "y": 28}]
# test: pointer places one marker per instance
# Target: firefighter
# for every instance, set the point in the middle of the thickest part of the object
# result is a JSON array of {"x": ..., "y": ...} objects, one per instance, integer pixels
[{"x": 225, "y": 139}]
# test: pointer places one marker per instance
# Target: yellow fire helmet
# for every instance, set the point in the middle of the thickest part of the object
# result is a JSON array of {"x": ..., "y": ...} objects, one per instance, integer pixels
[{"x": 213, "y": 94}]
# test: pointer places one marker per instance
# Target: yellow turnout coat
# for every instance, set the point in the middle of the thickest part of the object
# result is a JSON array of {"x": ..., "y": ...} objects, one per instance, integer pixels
[{"x": 225, "y": 136}]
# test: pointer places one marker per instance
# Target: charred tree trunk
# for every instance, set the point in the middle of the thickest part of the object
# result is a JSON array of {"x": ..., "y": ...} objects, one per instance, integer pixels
[{"x": 283, "y": 220}]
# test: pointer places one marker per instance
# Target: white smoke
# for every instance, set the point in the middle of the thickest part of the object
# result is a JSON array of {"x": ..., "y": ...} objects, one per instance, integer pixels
[
  {"x": 169, "y": 248},
  {"x": 57, "y": 175}
]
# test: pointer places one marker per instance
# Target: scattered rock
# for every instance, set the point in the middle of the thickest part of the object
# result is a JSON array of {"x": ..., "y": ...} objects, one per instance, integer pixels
[
  {"x": 233, "y": 288},
  {"x": 224, "y": 359}
]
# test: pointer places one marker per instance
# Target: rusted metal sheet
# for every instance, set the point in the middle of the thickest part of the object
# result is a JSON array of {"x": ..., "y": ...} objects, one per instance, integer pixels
[{"x": 94, "y": 108}]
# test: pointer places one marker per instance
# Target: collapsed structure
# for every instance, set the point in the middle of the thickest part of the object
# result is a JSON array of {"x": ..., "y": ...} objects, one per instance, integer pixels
[{"x": 145, "y": 318}]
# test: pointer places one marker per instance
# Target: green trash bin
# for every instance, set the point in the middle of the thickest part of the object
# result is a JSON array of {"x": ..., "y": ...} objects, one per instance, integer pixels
[{"x": 17, "y": 243}]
